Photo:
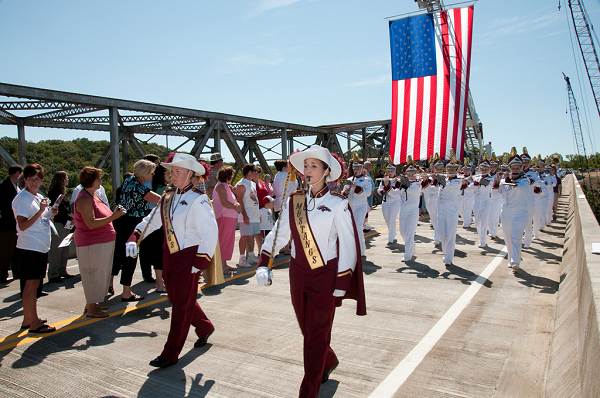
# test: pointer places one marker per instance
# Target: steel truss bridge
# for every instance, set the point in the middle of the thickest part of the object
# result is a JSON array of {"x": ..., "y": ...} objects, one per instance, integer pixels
[{"x": 248, "y": 139}]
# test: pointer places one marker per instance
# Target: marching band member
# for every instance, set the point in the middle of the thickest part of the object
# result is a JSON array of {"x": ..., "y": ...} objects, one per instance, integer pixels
[
  {"x": 468, "y": 196},
  {"x": 325, "y": 265},
  {"x": 389, "y": 189},
  {"x": 431, "y": 190},
  {"x": 358, "y": 192},
  {"x": 483, "y": 194},
  {"x": 410, "y": 195},
  {"x": 534, "y": 191},
  {"x": 516, "y": 192},
  {"x": 190, "y": 229},
  {"x": 448, "y": 206},
  {"x": 541, "y": 193},
  {"x": 496, "y": 198}
]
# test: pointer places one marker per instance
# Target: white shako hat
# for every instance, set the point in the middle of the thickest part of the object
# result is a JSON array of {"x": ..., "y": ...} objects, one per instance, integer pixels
[
  {"x": 185, "y": 161},
  {"x": 317, "y": 152}
]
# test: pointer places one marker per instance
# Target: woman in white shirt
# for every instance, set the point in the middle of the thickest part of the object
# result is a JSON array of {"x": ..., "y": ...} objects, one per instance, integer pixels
[{"x": 34, "y": 220}]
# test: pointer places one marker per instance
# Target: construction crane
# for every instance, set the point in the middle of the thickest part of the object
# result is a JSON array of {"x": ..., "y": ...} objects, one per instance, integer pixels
[
  {"x": 576, "y": 122},
  {"x": 587, "y": 45}
]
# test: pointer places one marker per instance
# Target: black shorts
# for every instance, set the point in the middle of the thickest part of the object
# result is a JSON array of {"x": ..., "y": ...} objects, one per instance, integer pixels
[{"x": 30, "y": 265}]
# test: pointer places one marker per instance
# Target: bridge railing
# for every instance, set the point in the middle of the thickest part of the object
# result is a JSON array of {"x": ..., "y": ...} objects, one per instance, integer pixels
[{"x": 574, "y": 367}]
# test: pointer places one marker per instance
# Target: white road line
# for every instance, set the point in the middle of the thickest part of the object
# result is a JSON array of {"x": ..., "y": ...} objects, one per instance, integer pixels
[{"x": 391, "y": 384}]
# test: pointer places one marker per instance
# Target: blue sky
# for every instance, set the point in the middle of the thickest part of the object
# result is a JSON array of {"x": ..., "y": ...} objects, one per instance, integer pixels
[{"x": 305, "y": 61}]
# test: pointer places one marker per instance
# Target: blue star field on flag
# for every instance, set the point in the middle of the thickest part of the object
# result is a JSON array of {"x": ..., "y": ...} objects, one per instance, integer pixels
[{"x": 413, "y": 47}]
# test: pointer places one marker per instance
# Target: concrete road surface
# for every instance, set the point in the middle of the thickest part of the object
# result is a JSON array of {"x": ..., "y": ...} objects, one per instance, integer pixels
[{"x": 472, "y": 330}]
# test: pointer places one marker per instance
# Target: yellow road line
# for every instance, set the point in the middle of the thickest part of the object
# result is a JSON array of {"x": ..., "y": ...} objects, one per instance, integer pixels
[{"x": 21, "y": 338}]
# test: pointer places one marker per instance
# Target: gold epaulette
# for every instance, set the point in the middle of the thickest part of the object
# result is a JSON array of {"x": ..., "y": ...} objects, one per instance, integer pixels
[{"x": 339, "y": 195}]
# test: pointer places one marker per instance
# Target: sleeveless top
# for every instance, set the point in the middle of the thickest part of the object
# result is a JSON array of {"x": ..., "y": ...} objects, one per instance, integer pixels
[
  {"x": 250, "y": 201},
  {"x": 85, "y": 236},
  {"x": 220, "y": 210}
]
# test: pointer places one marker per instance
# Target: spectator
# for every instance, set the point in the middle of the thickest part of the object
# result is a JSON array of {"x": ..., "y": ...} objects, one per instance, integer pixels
[
  {"x": 268, "y": 184},
  {"x": 216, "y": 163},
  {"x": 250, "y": 216},
  {"x": 263, "y": 191},
  {"x": 279, "y": 184},
  {"x": 8, "y": 226},
  {"x": 101, "y": 193},
  {"x": 95, "y": 240},
  {"x": 368, "y": 169},
  {"x": 266, "y": 218},
  {"x": 58, "y": 256},
  {"x": 134, "y": 195},
  {"x": 151, "y": 247},
  {"x": 118, "y": 190},
  {"x": 226, "y": 209},
  {"x": 150, "y": 254},
  {"x": 33, "y": 242}
]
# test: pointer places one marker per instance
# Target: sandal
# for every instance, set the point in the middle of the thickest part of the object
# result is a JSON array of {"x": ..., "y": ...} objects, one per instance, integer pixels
[
  {"x": 23, "y": 327},
  {"x": 132, "y": 298},
  {"x": 99, "y": 314},
  {"x": 43, "y": 329},
  {"x": 111, "y": 291}
]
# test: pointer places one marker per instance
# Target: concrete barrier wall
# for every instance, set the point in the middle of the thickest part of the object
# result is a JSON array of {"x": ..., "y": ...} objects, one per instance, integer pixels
[{"x": 574, "y": 367}]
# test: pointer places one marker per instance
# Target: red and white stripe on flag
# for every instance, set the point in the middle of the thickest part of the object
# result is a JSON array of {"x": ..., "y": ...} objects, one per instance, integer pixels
[{"x": 429, "y": 112}]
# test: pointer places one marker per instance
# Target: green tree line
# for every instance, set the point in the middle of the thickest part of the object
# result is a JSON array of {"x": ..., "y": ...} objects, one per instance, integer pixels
[
  {"x": 72, "y": 156},
  {"x": 579, "y": 162}
]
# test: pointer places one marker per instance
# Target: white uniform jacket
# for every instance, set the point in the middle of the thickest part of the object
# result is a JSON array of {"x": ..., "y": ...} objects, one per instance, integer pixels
[
  {"x": 360, "y": 198},
  {"x": 449, "y": 196},
  {"x": 410, "y": 197},
  {"x": 330, "y": 222},
  {"x": 192, "y": 219},
  {"x": 516, "y": 197},
  {"x": 393, "y": 194},
  {"x": 483, "y": 193}
]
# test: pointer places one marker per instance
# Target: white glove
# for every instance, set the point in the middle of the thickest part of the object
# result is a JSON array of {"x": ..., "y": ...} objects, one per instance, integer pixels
[
  {"x": 194, "y": 270},
  {"x": 339, "y": 293},
  {"x": 131, "y": 249},
  {"x": 264, "y": 276}
]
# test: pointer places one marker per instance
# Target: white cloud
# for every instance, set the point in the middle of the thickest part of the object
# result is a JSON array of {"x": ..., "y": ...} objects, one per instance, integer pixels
[
  {"x": 519, "y": 25},
  {"x": 374, "y": 81},
  {"x": 264, "y": 6}
]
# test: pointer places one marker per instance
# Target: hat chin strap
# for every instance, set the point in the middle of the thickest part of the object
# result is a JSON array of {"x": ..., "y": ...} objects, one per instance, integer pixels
[{"x": 310, "y": 184}]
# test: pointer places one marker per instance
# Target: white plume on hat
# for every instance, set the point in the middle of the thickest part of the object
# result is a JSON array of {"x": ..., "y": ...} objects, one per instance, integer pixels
[
  {"x": 317, "y": 152},
  {"x": 185, "y": 161}
]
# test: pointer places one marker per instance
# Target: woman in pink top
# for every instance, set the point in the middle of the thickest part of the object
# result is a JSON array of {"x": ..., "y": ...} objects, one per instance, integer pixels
[
  {"x": 226, "y": 212},
  {"x": 95, "y": 241}
]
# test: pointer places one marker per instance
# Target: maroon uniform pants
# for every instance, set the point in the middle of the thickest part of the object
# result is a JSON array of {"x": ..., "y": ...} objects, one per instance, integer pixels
[
  {"x": 314, "y": 305},
  {"x": 182, "y": 289}
]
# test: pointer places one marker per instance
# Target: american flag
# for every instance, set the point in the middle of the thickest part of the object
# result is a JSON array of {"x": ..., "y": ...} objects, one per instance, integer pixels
[{"x": 431, "y": 58}]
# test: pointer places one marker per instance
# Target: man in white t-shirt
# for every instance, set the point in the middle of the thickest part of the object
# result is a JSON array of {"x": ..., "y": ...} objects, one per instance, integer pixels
[
  {"x": 279, "y": 185},
  {"x": 249, "y": 218}
]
